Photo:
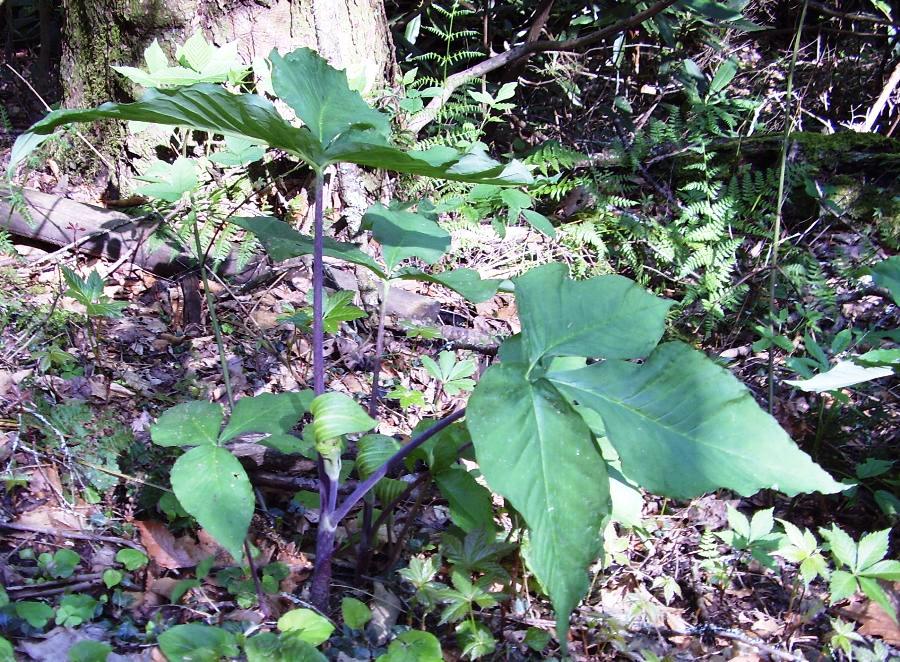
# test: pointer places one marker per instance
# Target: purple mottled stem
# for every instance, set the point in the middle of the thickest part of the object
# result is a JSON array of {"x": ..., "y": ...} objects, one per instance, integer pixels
[
  {"x": 320, "y": 585},
  {"x": 362, "y": 488}
]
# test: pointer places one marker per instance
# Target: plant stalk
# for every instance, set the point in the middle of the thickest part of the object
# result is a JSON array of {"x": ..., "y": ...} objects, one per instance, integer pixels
[
  {"x": 226, "y": 378},
  {"x": 364, "y": 548},
  {"x": 213, "y": 318},
  {"x": 776, "y": 230},
  {"x": 363, "y": 488},
  {"x": 320, "y": 584}
]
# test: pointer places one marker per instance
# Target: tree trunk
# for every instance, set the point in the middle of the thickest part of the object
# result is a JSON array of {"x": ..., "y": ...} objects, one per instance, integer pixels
[{"x": 351, "y": 34}]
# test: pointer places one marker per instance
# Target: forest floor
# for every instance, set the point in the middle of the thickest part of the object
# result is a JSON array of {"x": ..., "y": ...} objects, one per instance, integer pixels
[{"x": 80, "y": 475}]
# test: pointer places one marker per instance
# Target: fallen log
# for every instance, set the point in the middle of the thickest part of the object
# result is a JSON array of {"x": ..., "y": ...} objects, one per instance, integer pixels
[{"x": 107, "y": 233}]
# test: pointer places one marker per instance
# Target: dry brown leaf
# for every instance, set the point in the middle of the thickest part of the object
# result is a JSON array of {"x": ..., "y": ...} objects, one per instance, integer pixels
[
  {"x": 875, "y": 621},
  {"x": 172, "y": 553}
]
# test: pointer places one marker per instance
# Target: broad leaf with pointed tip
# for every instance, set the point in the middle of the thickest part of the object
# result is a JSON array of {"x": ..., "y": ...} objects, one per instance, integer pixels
[
  {"x": 188, "y": 424},
  {"x": 204, "y": 106},
  {"x": 340, "y": 126},
  {"x": 841, "y": 375},
  {"x": 321, "y": 96},
  {"x": 887, "y": 275},
  {"x": 404, "y": 234},
  {"x": 268, "y": 412},
  {"x": 470, "y": 503},
  {"x": 466, "y": 282},
  {"x": 683, "y": 426},
  {"x": 212, "y": 486},
  {"x": 605, "y": 316},
  {"x": 283, "y": 242},
  {"x": 536, "y": 451}
]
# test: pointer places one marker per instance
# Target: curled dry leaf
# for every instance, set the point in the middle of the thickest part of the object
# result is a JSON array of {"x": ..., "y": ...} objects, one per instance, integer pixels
[{"x": 172, "y": 553}]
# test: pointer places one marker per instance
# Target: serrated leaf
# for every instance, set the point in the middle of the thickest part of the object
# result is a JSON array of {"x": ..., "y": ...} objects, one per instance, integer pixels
[
  {"x": 887, "y": 570},
  {"x": 842, "y": 585},
  {"x": 238, "y": 152},
  {"x": 550, "y": 442},
  {"x": 213, "y": 487},
  {"x": 843, "y": 549},
  {"x": 188, "y": 424},
  {"x": 470, "y": 503},
  {"x": 738, "y": 522},
  {"x": 266, "y": 413},
  {"x": 337, "y": 309},
  {"x": 683, "y": 426},
  {"x": 155, "y": 57},
  {"x": 874, "y": 592},
  {"x": 605, "y": 316},
  {"x": 761, "y": 524},
  {"x": 169, "y": 181},
  {"x": 871, "y": 548},
  {"x": 336, "y": 414}
]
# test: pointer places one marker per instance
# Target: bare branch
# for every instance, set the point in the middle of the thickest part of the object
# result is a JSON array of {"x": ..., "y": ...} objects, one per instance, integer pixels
[{"x": 525, "y": 50}]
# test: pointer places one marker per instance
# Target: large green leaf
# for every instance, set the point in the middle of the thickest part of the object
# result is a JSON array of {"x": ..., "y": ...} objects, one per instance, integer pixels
[
  {"x": 404, "y": 234},
  {"x": 195, "y": 642},
  {"x": 683, "y": 426},
  {"x": 306, "y": 625},
  {"x": 368, "y": 148},
  {"x": 188, "y": 424},
  {"x": 212, "y": 486},
  {"x": 203, "y": 106},
  {"x": 887, "y": 275},
  {"x": 267, "y": 412},
  {"x": 535, "y": 450},
  {"x": 841, "y": 375},
  {"x": 283, "y": 242},
  {"x": 606, "y": 316},
  {"x": 470, "y": 503},
  {"x": 321, "y": 96},
  {"x": 466, "y": 282}
]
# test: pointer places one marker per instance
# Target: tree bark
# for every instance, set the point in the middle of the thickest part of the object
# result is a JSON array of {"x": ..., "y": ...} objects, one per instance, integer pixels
[{"x": 351, "y": 34}]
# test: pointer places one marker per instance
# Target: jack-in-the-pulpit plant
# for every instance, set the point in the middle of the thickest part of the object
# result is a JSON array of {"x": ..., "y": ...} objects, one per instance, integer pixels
[{"x": 583, "y": 398}]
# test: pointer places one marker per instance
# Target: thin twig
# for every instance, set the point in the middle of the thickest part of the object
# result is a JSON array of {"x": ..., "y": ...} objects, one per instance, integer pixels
[
  {"x": 49, "y": 109},
  {"x": 75, "y": 535}
]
